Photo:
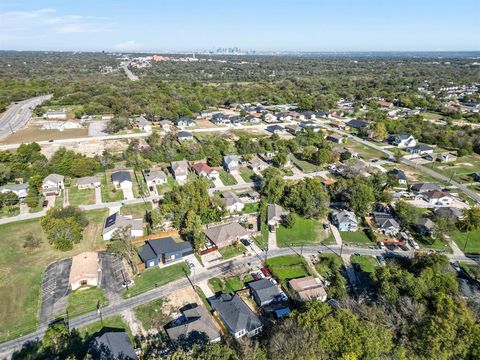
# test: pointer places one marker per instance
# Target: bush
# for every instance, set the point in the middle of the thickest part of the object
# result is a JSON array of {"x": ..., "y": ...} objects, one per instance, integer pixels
[
  {"x": 370, "y": 234},
  {"x": 289, "y": 220},
  {"x": 32, "y": 242}
]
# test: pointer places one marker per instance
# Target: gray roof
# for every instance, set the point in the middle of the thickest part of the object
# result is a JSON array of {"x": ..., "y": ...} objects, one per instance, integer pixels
[
  {"x": 113, "y": 345},
  {"x": 116, "y": 221},
  {"x": 236, "y": 315},
  {"x": 264, "y": 289},
  {"x": 15, "y": 187},
  {"x": 448, "y": 212},
  {"x": 230, "y": 198},
  {"x": 156, "y": 174},
  {"x": 197, "y": 323},
  {"x": 121, "y": 176},
  {"x": 86, "y": 180},
  {"x": 357, "y": 124},
  {"x": 228, "y": 159},
  {"x": 180, "y": 167},
  {"x": 142, "y": 121},
  {"x": 54, "y": 178},
  {"x": 275, "y": 211},
  {"x": 423, "y": 187},
  {"x": 156, "y": 247},
  {"x": 399, "y": 174},
  {"x": 403, "y": 137},
  {"x": 346, "y": 216},
  {"x": 385, "y": 221},
  {"x": 222, "y": 233},
  {"x": 184, "y": 134},
  {"x": 426, "y": 223},
  {"x": 420, "y": 147}
]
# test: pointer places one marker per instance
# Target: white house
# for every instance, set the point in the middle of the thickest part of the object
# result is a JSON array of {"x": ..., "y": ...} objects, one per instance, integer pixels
[
  {"x": 166, "y": 125},
  {"x": 122, "y": 180},
  {"x": 420, "y": 149},
  {"x": 88, "y": 182},
  {"x": 55, "y": 114},
  {"x": 52, "y": 184},
  {"x": 184, "y": 136},
  {"x": 231, "y": 163},
  {"x": 155, "y": 177},
  {"x": 21, "y": 190},
  {"x": 202, "y": 169},
  {"x": 117, "y": 221},
  {"x": 438, "y": 198},
  {"x": 180, "y": 170},
  {"x": 186, "y": 122},
  {"x": 346, "y": 221},
  {"x": 403, "y": 141},
  {"x": 232, "y": 202},
  {"x": 143, "y": 124}
]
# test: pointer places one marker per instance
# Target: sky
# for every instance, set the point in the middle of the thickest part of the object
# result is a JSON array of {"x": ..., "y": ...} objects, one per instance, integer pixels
[{"x": 261, "y": 25}]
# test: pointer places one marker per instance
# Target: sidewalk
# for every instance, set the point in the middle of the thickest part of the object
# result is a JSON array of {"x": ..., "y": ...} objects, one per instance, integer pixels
[
  {"x": 336, "y": 235},
  {"x": 272, "y": 241}
]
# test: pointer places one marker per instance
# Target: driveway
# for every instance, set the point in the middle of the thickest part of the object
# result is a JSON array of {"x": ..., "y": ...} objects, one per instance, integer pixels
[
  {"x": 51, "y": 201},
  {"x": 128, "y": 193},
  {"x": 97, "y": 128},
  {"x": 218, "y": 183},
  {"x": 272, "y": 240},
  {"x": 112, "y": 276},
  {"x": 55, "y": 287},
  {"x": 238, "y": 178},
  {"x": 336, "y": 235},
  {"x": 98, "y": 195}
]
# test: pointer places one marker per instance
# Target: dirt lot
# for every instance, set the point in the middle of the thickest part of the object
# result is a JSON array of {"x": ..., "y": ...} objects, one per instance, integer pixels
[
  {"x": 181, "y": 297},
  {"x": 33, "y": 133},
  {"x": 206, "y": 124}
]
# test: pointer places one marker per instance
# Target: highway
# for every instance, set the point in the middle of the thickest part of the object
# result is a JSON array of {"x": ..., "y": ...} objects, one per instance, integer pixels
[{"x": 17, "y": 115}]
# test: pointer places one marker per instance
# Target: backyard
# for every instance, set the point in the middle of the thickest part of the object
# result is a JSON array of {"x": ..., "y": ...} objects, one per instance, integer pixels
[
  {"x": 357, "y": 238},
  {"x": 304, "y": 232},
  {"x": 168, "y": 186},
  {"x": 109, "y": 193},
  {"x": 153, "y": 277},
  {"x": 250, "y": 208},
  {"x": 247, "y": 174}
]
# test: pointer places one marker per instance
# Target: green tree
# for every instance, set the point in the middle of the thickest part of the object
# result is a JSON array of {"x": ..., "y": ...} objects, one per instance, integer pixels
[
  {"x": 122, "y": 246},
  {"x": 407, "y": 213}
]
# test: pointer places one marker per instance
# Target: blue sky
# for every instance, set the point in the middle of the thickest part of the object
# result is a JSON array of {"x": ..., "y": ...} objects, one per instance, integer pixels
[{"x": 263, "y": 25}]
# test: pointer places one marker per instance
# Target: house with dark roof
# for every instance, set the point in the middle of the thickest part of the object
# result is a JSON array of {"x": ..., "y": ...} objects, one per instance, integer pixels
[
  {"x": 226, "y": 234},
  {"x": 163, "y": 250},
  {"x": 263, "y": 291},
  {"x": 116, "y": 221},
  {"x": 424, "y": 187},
  {"x": 194, "y": 326},
  {"x": 236, "y": 316},
  {"x": 276, "y": 129},
  {"x": 112, "y": 345},
  {"x": 358, "y": 124},
  {"x": 275, "y": 215},
  {"x": 184, "y": 136},
  {"x": 121, "y": 179},
  {"x": 476, "y": 176},
  {"x": 386, "y": 223},
  {"x": 399, "y": 175},
  {"x": 337, "y": 139},
  {"x": 449, "y": 212},
  {"x": 425, "y": 226}
]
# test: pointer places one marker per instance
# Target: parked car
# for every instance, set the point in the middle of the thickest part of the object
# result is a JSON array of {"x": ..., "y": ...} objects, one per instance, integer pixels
[
  {"x": 391, "y": 247},
  {"x": 246, "y": 242},
  {"x": 266, "y": 272},
  {"x": 190, "y": 263},
  {"x": 128, "y": 283},
  {"x": 381, "y": 260},
  {"x": 325, "y": 226},
  {"x": 404, "y": 247},
  {"x": 414, "y": 244},
  {"x": 381, "y": 245},
  {"x": 45, "y": 203},
  {"x": 455, "y": 266}
]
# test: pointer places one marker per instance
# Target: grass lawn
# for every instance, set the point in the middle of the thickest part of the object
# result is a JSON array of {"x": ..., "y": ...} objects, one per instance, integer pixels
[
  {"x": 250, "y": 208},
  {"x": 287, "y": 267},
  {"x": 114, "y": 321},
  {"x": 262, "y": 240},
  {"x": 9, "y": 211},
  {"x": 305, "y": 231},
  {"x": 234, "y": 283},
  {"x": 227, "y": 178},
  {"x": 137, "y": 211},
  {"x": 366, "y": 263},
  {"x": 80, "y": 197},
  {"x": 109, "y": 193},
  {"x": 21, "y": 270},
  {"x": 233, "y": 250},
  {"x": 139, "y": 184},
  {"x": 59, "y": 199},
  {"x": 247, "y": 174},
  {"x": 164, "y": 188},
  {"x": 154, "y": 277},
  {"x": 86, "y": 300},
  {"x": 472, "y": 270},
  {"x": 364, "y": 151},
  {"x": 431, "y": 115},
  {"x": 287, "y": 172},
  {"x": 229, "y": 285},
  {"x": 327, "y": 263},
  {"x": 151, "y": 315},
  {"x": 460, "y": 169},
  {"x": 468, "y": 242},
  {"x": 305, "y": 166},
  {"x": 358, "y": 238}
]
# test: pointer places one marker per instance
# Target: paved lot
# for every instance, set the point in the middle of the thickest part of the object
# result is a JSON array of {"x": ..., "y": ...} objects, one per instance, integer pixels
[
  {"x": 55, "y": 287},
  {"x": 112, "y": 276}
]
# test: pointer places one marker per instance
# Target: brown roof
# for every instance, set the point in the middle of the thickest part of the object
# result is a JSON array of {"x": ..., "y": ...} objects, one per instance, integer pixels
[
  {"x": 84, "y": 266},
  {"x": 308, "y": 287},
  {"x": 436, "y": 194},
  {"x": 202, "y": 167}
]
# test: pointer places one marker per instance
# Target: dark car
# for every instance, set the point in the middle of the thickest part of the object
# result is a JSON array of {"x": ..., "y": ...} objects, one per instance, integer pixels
[
  {"x": 404, "y": 247},
  {"x": 391, "y": 247},
  {"x": 45, "y": 203},
  {"x": 256, "y": 276},
  {"x": 325, "y": 226}
]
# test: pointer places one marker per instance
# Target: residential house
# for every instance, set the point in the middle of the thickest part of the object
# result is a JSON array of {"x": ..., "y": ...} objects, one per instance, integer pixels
[
  {"x": 225, "y": 234},
  {"x": 424, "y": 187},
  {"x": 232, "y": 202},
  {"x": 399, "y": 175},
  {"x": 184, "y": 136},
  {"x": 283, "y": 116},
  {"x": 56, "y": 114},
  {"x": 143, "y": 124},
  {"x": 112, "y": 345},
  {"x": 338, "y": 139},
  {"x": 263, "y": 291},
  {"x": 447, "y": 157},
  {"x": 276, "y": 129},
  {"x": 403, "y": 141},
  {"x": 292, "y": 129},
  {"x": 257, "y": 164},
  {"x": 85, "y": 270},
  {"x": 107, "y": 116},
  {"x": 21, "y": 190},
  {"x": 231, "y": 163},
  {"x": 346, "y": 220},
  {"x": 307, "y": 115},
  {"x": 425, "y": 226},
  {"x": 117, "y": 221},
  {"x": 253, "y": 119},
  {"x": 53, "y": 184},
  {"x": 385, "y": 104},
  {"x": 166, "y": 125},
  {"x": 203, "y": 170},
  {"x": 313, "y": 126},
  {"x": 358, "y": 124},
  {"x": 420, "y": 149},
  {"x": 220, "y": 119},
  {"x": 180, "y": 170},
  {"x": 338, "y": 124},
  {"x": 269, "y": 118},
  {"x": 386, "y": 223},
  {"x": 186, "y": 122},
  {"x": 308, "y": 288},
  {"x": 163, "y": 251},
  {"x": 275, "y": 215},
  {"x": 194, "y": 326},
  {"x": 88, "y": 182},
  {"x": 155, "y": 177},
  {"x": 236, "y": 316},
  {"x": 438, "y": 198},
  {"x": 449, "y": 212},
  {"x": 122, "y": 179}
]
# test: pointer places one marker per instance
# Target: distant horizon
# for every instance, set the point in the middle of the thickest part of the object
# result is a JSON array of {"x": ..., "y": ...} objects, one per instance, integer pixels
[{"x": 266, "y": 26}]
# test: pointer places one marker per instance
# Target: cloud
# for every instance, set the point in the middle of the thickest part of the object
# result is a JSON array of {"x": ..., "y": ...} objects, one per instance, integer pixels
[
  {"x": 130, "y": 45},
  {"x": 83, "y": 28}
]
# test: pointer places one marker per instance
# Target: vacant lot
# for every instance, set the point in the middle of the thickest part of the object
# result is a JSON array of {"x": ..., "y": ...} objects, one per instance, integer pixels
[
  {"x": 154, "y": 277},
  {"x": 164, "y": 188},
  {"x": 34, "y": 133},
  {"x": 137, "y": 211},
  {"x": 366, "y": 263},
  {"x": 227, "y": 178},
  {"x": 80, "y": 197},
  {"x": 461, "y": 169},
  {"x": 304, "y": 232},
  {"x": 305, "y": 166},
  {"x": 468, "y": 242},
  {"x": 152, "y": 315},
  {"x": 21, "y": 271},
  {"x": 356, "y": 238},
  {"x": 250, "y": 208},
  {"x": 231, "y": 284},
  {"x": 288, "y": 267},
  {"x": 327, "y": 264},
  {"x": 364, "y": 151},
  {"x": 86, "y": 300}
]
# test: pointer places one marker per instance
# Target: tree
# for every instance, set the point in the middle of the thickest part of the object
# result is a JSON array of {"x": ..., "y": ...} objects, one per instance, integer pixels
[
  {"x": 5, "y": 173},
  {"x": 33, "y": 195},
  {"x": 397, "y": 155},
  {"x": 379, "y": 131},
  {"x": 322, "y": 156},
  {"x": 279, "y": 159},
  {"x": 471, "y": 219},
  {"x": 307, "y": 198},
  {"x": 121, "y": 245},
  {"x": 56, "y": 340},
  {"x": 272, "y": 185},
  {"x": 289, "y": 220},
  {"x": 192, "y": 230},
  {"x": 8, "y": 199},
  {"x": 407, "y": 213}
]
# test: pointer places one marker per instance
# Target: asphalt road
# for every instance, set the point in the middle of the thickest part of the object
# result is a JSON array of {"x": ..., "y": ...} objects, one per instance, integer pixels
[
  {"x": 128, "y": 72},
  {"x": 18, "y": 115}
]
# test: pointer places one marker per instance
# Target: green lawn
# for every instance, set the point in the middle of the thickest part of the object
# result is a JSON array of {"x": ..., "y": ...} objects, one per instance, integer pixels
[
  {"x": 305, "y": 231},
  {"x": 114, "y": 321},
  {"x": 139, "y": 184},
  {"x": 287, "y": 267},
  {"x": 233, "y": 250},
  {"x": 229, "y": 285},
  {"x": 109, "y": 193},
  {"x": 305, "y": 166},
  {"x": 151, "y": 315},
  {"x": 468, "y": 242},
  {"x": 247, "y": 174},
  {"x": 472, "y": 270},
  {"x": 137, "y": 211},
  {"x": 431, "y": 115},
  {"x": 154, "y": 277},
  {"x": 327, "y": 264},
  {"x": 262, "y": 240},
  {"x": 366, "y": 263},
  {"x": 364, "y": 151},
  {"x": 227, "y": 178},
  {"x": 78, "y": 197},
  {"x": 460, "y": 169},
  {"x": 9, "y": 211},
  {"x": 86, "y": 300},
  {"x": 250, "y": 208},
  {"x": 164, "y": 188},
  {"x": 358, "y": 238}
]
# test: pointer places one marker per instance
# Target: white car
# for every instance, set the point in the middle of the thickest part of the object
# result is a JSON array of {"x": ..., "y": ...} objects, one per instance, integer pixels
[
  {"x": 190, "y": 263},
  {"x": 128, "y": 283},
  {"x": 381, "y": 245}
]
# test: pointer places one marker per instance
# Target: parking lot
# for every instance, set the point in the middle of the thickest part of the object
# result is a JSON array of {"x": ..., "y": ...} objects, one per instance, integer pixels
[
  {"x": 55, "y": 287},
  {"x": 113, "y": 276}
]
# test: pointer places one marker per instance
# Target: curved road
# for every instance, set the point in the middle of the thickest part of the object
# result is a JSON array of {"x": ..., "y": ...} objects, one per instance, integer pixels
[{"x": 18, "y": 115}]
